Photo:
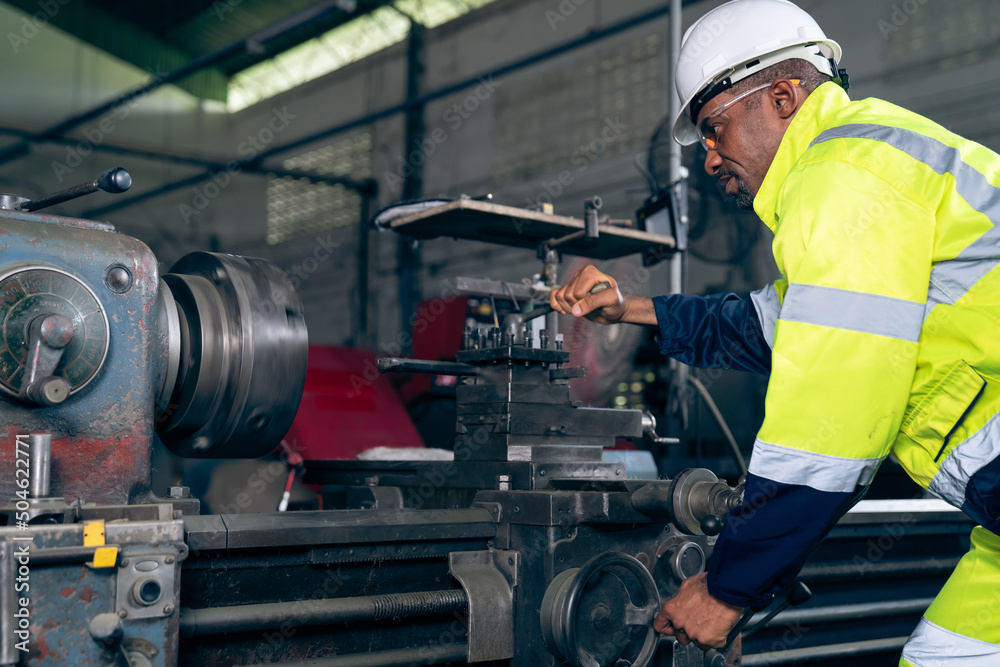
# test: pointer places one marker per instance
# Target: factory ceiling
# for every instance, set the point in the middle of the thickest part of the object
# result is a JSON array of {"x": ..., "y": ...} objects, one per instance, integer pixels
[{"x": 163, "y": 35}]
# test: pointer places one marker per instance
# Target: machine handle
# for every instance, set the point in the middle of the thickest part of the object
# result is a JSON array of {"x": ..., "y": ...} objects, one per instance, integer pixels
[
  {"x": 519, "y": 319},
  {"x": 798, "y": 594},
  {"x": 398, "y": 365},
  {"x": 711, "y": 525},
  {"x": 115, "y": 180}
]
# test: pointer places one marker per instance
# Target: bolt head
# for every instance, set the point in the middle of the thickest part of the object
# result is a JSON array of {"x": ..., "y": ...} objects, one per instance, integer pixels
[
  {"x": 122, "y": 614},
  {"x": 118, "y": 279},
  {"x": 168, "y": 609}
]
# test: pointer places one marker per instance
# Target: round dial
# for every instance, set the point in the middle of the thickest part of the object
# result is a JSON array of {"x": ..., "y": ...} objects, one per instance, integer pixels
[{"x": 29, "y": 293}]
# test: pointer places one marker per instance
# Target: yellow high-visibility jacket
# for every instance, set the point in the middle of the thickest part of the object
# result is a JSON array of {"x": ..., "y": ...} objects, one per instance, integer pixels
[{"x": 884, "y": 330}]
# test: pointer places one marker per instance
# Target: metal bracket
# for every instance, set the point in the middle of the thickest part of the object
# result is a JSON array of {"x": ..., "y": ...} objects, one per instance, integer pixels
[
  {"x": 568, "y": 373},
  {"x": 495, "y": 509},
  {"x": 687, "y": 656},
  {"x": 491, "y": 600},
  {"x": 146, "y": 585}
]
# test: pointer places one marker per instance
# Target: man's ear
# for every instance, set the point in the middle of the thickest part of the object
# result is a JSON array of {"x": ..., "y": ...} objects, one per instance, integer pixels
[{"x": 785, "y": 98}]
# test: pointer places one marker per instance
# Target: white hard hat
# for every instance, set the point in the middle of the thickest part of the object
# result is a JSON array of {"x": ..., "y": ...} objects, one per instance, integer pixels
[{"x": 738, "y": 39}]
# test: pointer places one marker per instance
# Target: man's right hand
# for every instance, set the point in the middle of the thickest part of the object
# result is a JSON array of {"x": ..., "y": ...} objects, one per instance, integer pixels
[{"x": 605, "y": 307}]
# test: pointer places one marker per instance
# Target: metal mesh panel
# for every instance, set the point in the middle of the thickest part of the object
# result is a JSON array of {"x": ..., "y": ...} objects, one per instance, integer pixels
[
  {"x": 599, "y": 105},
  {"x": 296, "y": 207}
]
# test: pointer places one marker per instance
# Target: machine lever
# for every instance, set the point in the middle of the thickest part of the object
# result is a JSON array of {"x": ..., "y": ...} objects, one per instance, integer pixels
[
  {"x": 514, "y": 321},
  {"x": 798, "y": 594},
  {"x": 397, "y": 365},
  {"x": 48, "y": 337},
  {"x": 115, "y": 180},
  {"x": 711, "y": 526}
]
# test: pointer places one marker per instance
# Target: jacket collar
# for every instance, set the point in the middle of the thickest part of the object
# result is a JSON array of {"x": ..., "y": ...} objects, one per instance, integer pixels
[{"x": 811, "y": 120}]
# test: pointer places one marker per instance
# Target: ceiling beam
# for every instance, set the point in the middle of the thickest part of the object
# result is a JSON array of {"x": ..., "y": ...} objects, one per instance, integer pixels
[{"x": 123, "y": 40}]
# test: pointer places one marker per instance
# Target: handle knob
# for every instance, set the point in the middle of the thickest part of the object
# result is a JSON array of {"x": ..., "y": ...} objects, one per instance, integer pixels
[
  {"x": 115, "y": 180},
  {"x": 711, "y": 525}
]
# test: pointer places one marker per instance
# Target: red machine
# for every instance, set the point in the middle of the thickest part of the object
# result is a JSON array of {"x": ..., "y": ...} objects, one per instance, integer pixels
[{"x": 348, "y": 407}]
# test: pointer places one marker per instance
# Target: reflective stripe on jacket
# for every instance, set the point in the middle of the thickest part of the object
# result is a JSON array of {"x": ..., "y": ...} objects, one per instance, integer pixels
[{"x": 885, "y": 330}]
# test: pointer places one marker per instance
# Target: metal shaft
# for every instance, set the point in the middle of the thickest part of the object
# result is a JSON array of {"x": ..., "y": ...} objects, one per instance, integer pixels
[
  {"x": 904, "y": 567},
  {"x": 40, "y": 450},
  {"x": 407, "y": 657},
  {"x": 9, "y": 655},
  {"x": 253, "y": 617},
  {"x": 399, "y": 365},
  {"x": 847, "y": 612},
  {"x": 848, "y": 650}
]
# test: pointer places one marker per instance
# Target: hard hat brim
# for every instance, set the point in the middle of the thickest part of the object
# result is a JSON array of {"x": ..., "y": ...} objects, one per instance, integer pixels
[{"x": 684, "y": 131}]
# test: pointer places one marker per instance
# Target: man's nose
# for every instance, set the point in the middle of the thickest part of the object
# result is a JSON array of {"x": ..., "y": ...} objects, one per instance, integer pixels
[{"x": 712, "y": 162}]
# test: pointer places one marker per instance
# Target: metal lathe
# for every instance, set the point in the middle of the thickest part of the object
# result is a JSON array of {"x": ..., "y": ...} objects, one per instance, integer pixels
[{"x": 530, "y": 548}]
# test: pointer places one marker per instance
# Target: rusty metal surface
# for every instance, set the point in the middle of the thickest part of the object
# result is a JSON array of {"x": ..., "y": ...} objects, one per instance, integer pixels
[
  {"x": 66, "y": 594},
  {"x": 102, "y": 435}
]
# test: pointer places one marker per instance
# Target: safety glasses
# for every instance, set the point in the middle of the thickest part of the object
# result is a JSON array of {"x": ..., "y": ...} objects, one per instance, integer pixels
[{"x": 708, "y": 129}]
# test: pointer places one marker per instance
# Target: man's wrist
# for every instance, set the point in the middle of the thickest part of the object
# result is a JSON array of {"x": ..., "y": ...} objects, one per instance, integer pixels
[
  {"x": 738, "y": 601},
  {"x": 639, "y": 310}
]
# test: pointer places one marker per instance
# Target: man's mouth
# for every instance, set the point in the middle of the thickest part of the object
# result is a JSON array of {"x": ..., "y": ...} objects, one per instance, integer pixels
[{"x": 726, "y": 181}]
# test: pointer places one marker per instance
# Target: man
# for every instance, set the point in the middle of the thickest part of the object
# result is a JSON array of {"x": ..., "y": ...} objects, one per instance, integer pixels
[{"x": 882, "y": 336}]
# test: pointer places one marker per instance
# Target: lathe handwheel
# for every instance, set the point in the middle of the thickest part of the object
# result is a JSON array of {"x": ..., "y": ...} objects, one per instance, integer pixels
[{"x": 595, "y": 615}]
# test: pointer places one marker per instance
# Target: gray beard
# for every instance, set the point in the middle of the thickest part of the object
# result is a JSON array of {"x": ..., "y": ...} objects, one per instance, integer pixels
[{"x": 744, "y": 198}]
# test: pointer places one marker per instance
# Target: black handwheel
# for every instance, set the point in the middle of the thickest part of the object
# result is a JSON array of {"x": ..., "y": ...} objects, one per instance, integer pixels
[{"x": 599, "y": 614}]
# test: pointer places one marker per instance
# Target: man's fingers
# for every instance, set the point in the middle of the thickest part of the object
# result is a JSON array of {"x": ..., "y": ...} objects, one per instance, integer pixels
[
  {"x": 592, "y": 302},
  {"x": 561, "y": 299},
  {"x": 662, "y": 622},
  {"x": 558, "y": 301},
  {"x": 662, "y": 625},
  {"x": 575, "y": 297}
]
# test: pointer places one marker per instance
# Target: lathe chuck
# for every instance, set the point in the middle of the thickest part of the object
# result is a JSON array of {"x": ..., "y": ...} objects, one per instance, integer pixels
[{"x": 236, "y": 356}]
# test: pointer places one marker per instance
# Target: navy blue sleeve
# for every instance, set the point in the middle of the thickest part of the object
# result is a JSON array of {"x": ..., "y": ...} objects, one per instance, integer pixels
[
  {"x": 715, "y": 331},
  {"x": 766, "y": 541}
]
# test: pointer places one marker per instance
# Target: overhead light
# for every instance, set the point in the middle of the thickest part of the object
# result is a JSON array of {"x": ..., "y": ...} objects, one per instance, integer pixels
[{"x": 343, "y": 45}]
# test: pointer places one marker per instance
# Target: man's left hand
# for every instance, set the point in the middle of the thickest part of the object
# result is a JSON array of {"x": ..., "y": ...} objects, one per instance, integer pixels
[{"x": 693, "y": 615}]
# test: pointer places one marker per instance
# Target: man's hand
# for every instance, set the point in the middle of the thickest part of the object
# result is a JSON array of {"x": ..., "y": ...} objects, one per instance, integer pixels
[
  {"x": 693, "y": 615},
  {"x": 606, "y": 307}
]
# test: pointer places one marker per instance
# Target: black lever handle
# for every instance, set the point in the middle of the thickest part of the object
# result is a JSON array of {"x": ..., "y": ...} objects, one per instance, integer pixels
[
  {"x": 711, "y": 525},
  {"x": 798, "y": 594},
  {"x": 115, "y": 180}
]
